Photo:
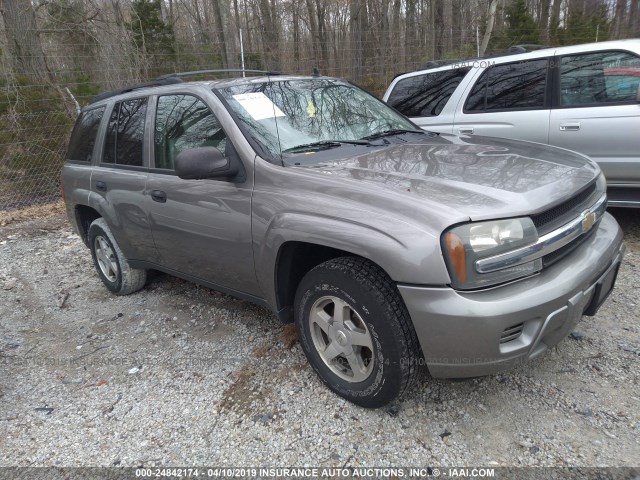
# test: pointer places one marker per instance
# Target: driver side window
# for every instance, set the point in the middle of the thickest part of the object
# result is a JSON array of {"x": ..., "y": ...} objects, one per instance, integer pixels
[{"x": 184, "y": 122}]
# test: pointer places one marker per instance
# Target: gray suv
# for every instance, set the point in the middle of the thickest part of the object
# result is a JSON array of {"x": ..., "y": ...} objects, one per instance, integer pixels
[
  {"x": 388, "y": 246},
  {"x": 585, "y": 98}
]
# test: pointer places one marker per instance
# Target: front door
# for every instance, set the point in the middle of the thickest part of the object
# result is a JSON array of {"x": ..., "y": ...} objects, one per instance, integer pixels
[
  {"x": 201, "y": 228},
  {"x": 598, "y": 113}
]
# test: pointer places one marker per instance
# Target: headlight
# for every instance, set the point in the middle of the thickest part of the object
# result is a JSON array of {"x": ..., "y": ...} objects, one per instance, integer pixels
[{"x": 465, "y": 244}]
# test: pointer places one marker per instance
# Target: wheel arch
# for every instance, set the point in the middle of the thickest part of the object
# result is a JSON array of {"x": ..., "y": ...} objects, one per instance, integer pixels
[
  {"x": 293, "y": 242},
  {"x": 293, "y": 261},
  {"x": 84, "y": 216}
]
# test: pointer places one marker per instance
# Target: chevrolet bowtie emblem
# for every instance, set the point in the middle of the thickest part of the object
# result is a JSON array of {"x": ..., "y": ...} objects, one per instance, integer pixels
[{"x": 588, "y": 221}]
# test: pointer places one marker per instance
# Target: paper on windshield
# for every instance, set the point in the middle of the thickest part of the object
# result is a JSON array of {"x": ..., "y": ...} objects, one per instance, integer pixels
[{"x": 258, "y": 105}]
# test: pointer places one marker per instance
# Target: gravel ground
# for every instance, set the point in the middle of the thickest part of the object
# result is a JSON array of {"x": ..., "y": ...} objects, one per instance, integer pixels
[{"x": 181, "y": 375}]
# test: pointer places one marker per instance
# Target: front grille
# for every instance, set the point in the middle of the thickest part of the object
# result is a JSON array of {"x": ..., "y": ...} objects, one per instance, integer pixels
[
  {"x": 551, "y": 219},
  {"x": 553, "y": 257},
  {"x": 511, "y": 333}
]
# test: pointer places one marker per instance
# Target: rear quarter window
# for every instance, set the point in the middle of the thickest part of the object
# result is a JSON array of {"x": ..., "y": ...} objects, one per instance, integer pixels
[
  {"x": 425, "y": 95},
  {"x": 83, "y": 137}
]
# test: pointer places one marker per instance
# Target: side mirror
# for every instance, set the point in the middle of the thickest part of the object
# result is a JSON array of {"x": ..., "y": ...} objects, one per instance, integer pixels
[
  {"x": 638, "y": 94},
  {"x": 205, "y": 162}
]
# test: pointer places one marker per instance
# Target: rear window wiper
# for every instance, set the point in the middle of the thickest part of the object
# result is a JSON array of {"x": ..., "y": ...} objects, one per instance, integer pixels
[
  {"x": 389, "y": 133},
  {"x": 324, "y": 145}
]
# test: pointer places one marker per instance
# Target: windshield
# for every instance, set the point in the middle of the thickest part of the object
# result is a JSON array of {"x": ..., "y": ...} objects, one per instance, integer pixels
[{"x": 286, "y": 114}]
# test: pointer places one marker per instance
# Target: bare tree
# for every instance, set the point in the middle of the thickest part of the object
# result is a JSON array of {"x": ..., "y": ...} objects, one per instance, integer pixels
[
  {"x": 411, "y": 35},
  {"x": 357, "y": 12},
  {"x": 618, "y": 24},
  {"x": 633, "y": 19},
  {"x": 554, "y": 21},
  {"x": 491, "y": 18},
  {"x": 23, "y": 41},
  {"x": 222, "y": 33},
  {"x": 543, "y": 19}
]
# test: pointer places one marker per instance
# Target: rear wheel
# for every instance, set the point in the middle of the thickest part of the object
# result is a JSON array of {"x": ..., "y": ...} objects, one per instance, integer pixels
[
  {"x": 355, "y": 331},
  {"x": 111, "y": 264}
]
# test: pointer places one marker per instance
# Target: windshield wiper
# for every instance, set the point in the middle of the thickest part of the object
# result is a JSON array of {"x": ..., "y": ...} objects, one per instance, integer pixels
[
  {"x": 324, "y": 145},
  {"x": 392, "y": 132}
]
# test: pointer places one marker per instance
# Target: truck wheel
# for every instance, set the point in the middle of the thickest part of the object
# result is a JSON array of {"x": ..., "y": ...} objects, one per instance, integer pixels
[
  {"x": 355, "y": 331},
  {"x": 112, "y": 266}
]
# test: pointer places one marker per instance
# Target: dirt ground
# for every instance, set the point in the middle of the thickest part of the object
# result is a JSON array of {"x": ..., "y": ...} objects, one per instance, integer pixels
[{"x": 181, "y": 375}]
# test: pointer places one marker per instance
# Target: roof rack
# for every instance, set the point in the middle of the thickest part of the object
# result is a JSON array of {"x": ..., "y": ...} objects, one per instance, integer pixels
[
  {"x": 524, "y": 48},
  {"x": 439, "y": 63},
  {"x": 513, "y": 50},
  {"x": 154, "y": 83},
  {"x": 173, "y": 78},
  {"x": 225, "y": 70}
]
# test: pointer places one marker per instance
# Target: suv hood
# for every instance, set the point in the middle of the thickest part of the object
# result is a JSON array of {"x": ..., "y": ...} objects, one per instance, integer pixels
[{"x": 478, "y": 177}]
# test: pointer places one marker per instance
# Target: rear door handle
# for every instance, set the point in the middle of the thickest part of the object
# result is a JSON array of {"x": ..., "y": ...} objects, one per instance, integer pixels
[
  {"x": 101, "y": 186},
  {"x": 158, "y": 196},
  {"x": 569, "y": 127},
  {"x": 466, "y": 131}
]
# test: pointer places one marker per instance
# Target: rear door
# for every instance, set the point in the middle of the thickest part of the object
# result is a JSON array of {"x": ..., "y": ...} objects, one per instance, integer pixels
[
  {"x": 507, "y": 100},
  {"x": 597, "y": 111},
  {"x": 201, "y": 228},
  {"x": 119, "y": 180}
]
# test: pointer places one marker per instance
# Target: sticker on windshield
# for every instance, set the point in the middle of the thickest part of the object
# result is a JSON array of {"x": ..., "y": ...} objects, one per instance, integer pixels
[
  {"x": 311, "y": 109},
  {"x": 258, "y": 105}
]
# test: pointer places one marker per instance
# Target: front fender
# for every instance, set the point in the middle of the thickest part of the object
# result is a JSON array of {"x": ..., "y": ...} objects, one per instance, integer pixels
[{"x": 407, "y": 254}]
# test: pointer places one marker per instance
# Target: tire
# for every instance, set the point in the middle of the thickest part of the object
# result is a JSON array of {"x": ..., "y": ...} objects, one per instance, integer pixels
[
  {"x": 356, "y": 332},
  {"x": 111, "y": 264}
]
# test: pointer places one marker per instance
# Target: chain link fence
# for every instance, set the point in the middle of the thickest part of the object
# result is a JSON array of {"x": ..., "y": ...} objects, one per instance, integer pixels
[
  {"x": 36, "y": 122},
  {"x": 32, "y": 150}
]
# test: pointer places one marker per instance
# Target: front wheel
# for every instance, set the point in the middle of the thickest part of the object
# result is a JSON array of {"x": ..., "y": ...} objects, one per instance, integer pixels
[
  {"x": 110, "y": 262},
  {"x": 355, "y": 331}
]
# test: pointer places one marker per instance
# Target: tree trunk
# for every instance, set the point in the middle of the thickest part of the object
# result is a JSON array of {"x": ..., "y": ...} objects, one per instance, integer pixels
[
  {"x": 296, "y": 36},
  {"x": 382, "y": 49},
  {"x": 23, "y": 42},
  {"x": 270, "y": 33},
  {"x": 222, "y": 36},
  {"x": 411, "y": 34},
  {"x": 395, "y": 40},
  {"x": 554, "y": 22},
  {"x": 491, "y": 18},
  {"x": 447, "y": 25},
  {"x": 201, "y": 35},
  {"x": 543, "y": 20},
  {"x": 633, "y": 25},
  {"x": 438, "y": 29},
  {"x": 313, "y": 30},
  {"x": 321, "y": 12},
  {"x": 617, "y": 27},
  {"x": 117, "y": 12},
  {"x": 356, "y": 12}
]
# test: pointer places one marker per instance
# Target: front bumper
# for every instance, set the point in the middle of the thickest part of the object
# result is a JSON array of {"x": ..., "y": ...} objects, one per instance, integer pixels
[{"x": 460, "y": 332}]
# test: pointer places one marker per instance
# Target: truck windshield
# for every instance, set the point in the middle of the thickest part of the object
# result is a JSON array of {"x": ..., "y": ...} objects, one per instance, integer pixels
[{"x": 294, "y": 116}]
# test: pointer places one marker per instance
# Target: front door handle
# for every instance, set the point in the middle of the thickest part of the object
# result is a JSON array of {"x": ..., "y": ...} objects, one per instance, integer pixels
[
  {"x": 158, "y": 196},
  {"x": 101, "y": 186},
  {"x": 466, "y": 130},
  {"x": 569, "y": 127}
]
